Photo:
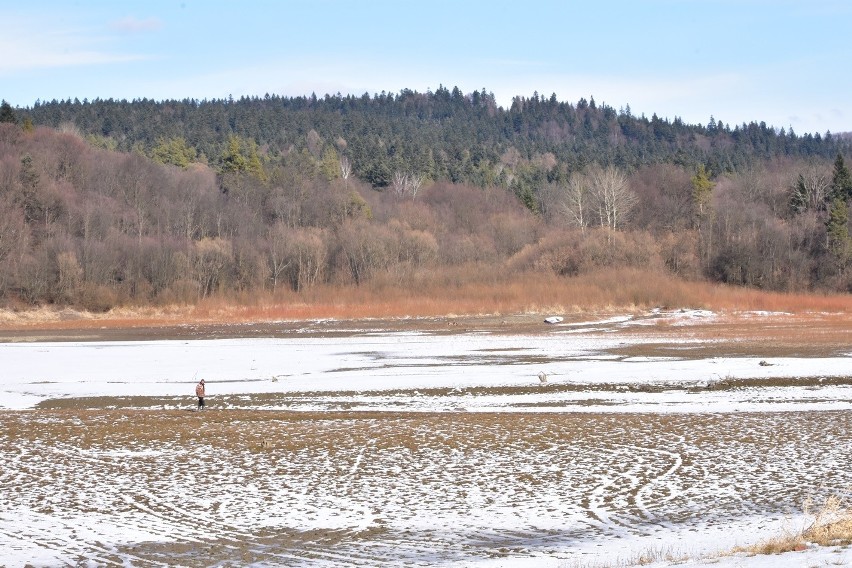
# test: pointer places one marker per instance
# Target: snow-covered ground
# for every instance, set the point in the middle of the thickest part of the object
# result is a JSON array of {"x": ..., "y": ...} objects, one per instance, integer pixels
[
  {"x": 593, "y": 458},
  {"x": 398, "y": 370}
]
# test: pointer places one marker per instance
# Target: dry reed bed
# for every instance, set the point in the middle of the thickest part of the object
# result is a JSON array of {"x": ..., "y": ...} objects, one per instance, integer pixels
[{"x": 625, "y": 290}]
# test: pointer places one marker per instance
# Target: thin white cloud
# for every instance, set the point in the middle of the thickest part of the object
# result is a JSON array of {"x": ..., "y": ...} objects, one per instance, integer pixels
[
  {"x": 134, "y": 25},
  {"x": 26, "y": 48}
]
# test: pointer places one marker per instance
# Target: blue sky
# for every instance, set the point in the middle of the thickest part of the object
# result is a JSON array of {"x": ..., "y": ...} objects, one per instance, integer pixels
[{"x": 780, "y": 61}]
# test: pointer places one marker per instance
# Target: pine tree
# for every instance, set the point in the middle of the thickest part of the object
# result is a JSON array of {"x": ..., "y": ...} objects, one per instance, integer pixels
[
  {"x": 174, "y": 151},
  {"x": 241, "y": 156},
  {"x": 702, "y": 192},
  {"x": 799, "y": 196},
  {"x": 233, "y": 159},
  {"x": 837, "y": 232},
  {"x": 702, "y": 195},
  {"x": 841, "y": 181},
  {"x": 330, "y": 164},
  {"x": 7, "y": 114}
]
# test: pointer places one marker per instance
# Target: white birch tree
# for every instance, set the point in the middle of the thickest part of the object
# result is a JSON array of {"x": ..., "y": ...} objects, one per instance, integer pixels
[
  {"x": 574, "y": 201},
  {"x": 612, "y": 196}
]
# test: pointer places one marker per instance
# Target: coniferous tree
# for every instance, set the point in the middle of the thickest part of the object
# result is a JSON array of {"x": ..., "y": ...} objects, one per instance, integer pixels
[
  {"x": 233, "y": 159},
  {"x": 702, "y": 192},
  {"x": 241, "y": 157},
  {"x": 174, "y": 151},
  {"x": 799, "y": 197},
  {"x": 388, "y": 132},
  {"x": 837, "y": 233},
  {"x": 841, "y": 180},
  {"x": 7, "y": 114},
  {"x": 702, "y": 195}
]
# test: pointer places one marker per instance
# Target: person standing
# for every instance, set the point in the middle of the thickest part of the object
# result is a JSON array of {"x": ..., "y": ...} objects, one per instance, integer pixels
[{"x": 199, "y": 392}]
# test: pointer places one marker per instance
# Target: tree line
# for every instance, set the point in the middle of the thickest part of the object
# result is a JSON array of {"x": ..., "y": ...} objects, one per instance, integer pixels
[
  {"x": 440, "y": 135},
  {"x": 93, "y": 219}
]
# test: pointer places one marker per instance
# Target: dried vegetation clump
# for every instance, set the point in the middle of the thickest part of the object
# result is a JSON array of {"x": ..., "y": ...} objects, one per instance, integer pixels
[
  {"x": 830, "y": 525},
  {"x": 645, "y": 557}
]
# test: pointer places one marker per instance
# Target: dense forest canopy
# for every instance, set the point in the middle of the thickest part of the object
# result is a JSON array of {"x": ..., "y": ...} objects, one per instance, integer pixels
[
  {"x": 445, "y": 135},
  {"x": 110, "y": 202}
]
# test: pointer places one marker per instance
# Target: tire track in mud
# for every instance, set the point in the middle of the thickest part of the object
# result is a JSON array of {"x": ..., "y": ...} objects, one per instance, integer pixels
[
  {"x": 615, "y": 501},
  {"x": 597, "y": 505},
  {"x": 178, "y": 527},
  {"x": 162, "y": 520},
  {"x": 298, "y": 546},
  {"x": 204, "y": 530},
  {"x": 54, "y": 540},
  {"x": 494, "y": 485},
  {"x": 61, "y": 537},
  {"x": 192, "y": 520},
  {"x": 173, "y": 523},
  {"x": 642, "y": 499}
]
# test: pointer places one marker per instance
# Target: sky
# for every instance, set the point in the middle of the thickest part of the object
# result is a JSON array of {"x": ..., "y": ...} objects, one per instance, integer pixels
[{"x": 784, "y": 62}]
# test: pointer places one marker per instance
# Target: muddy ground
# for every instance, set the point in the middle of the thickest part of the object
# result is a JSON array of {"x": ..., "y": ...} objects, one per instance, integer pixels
[
  {"x": 117, "y": 482},
  {"x": 233, "y": 488},
  {"x": 726, "y": 334}
]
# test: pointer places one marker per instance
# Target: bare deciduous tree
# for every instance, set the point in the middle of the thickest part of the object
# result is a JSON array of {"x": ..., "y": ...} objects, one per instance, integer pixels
[
  {"x": 298, "y": 256},
  {"x": 367, "y": 248},
  {"x": 314, "y": 143},
  {"x": 13, "y": 229},
  {"x": 664, "y": 198},
  {"x": 574, "y": 202},
  {"x": 308, "y": 252},
  {"x": 278, "y": 260},
  {"x": 398, "y": 183},
  {"x": 406, "y": 184},
  {"x": 13, "y": 240},
  {"x": 810, "y": 192},
  {"x": 345, "y": 168},
  {"x": 612, "y": 195},
  {"x": 70, "y": 274},
  {"x": 210, "y": 259},
  {"x": 133, "y": 184}
]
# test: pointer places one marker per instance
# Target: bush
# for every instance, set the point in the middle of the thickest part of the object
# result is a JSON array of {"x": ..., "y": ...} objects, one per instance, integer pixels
[{"x": 97, "y": 298}]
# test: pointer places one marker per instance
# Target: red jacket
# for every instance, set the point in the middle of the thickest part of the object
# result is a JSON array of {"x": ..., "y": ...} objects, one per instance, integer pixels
[{"x": 199, "y": 390}]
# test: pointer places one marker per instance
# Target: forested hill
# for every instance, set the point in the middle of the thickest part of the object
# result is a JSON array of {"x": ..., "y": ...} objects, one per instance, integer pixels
[
  {"x": 106, "y": 203},
  {"x": 441, "y": 135}
]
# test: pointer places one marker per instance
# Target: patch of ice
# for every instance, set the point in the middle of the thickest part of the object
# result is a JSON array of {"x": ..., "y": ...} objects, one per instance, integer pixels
[
  {"x": 687, "y": 317},
  {"x": 614, "y": 319}
]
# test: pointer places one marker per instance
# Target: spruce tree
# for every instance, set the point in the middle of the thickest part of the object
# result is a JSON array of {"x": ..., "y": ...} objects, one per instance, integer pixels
[
  {"x": 702, "y": 193},
  {"x": 837, "y": 232},
  {"x": 841, "y": 180},
  {"x": 7, "y": 114},
  {"x": 799, "y": 196}
]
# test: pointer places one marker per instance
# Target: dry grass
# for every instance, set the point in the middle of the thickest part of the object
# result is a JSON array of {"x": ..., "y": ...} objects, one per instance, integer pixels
[
  {"x": 643, "y": 558},
  {"x": 788, "y": 542},
  {"x": 623, "y": 290},
  {"x": 831, "y": 525}
]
